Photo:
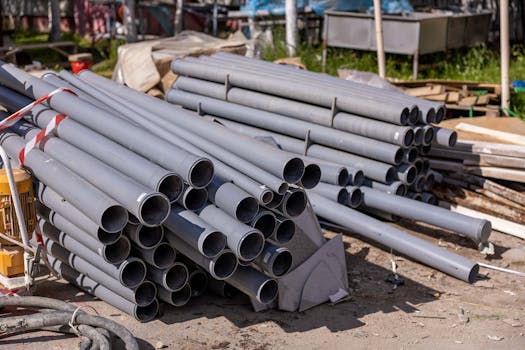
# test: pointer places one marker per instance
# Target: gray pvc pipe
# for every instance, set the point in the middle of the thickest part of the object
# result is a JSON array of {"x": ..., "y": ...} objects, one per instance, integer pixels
[
  {"x": 311, "y": 176},
  {"x": 407, "y": 173},
  {"x": 98, "y": 206},
  {"x": 198, "y": 281},
  {"x": 233, "y": 200},
  {"x": 279, "y": 163},
  {"x": 130, "y": 273},
  {"x": 294, "y": 202},
  {"x": 178, "y": 298},
  {"x": 428, "y": 135},
  {"x": 144, "y": 237},
  {"x": 356, "y": 165},
  {"x": 379, "y": 213},
  {"x": 429, "y": 198},
  {"x": 150, "y": 207},
  {"x": 142, "y": 313},
  {"x": 284, "y": 231},
  {"x": 161, "y": 256},
  {"x": 336, "y": 193},
  {"x": 192, "y": 198},
  {"x": 413, "y": 247},
  {"x": 254, "y": 284},
  {"x": 444, "y": 137},
  {"x": 126, "y": 161},
  {"x": 476, "y": 229},
  {"x": 399, "y": 135},
  {"x": 245, "y": 241},
  {"x": 355, "y": 196},
  {"x": 396, "y": 187},
  {"x": 196, "y": 232},
  {"x": 274, "y": 261},
  {"x": 185, "y": 164},
  {"x": 416, "y": 196},
  {"x": 172, "y": 278},
  {"x": 113, "y": 253},
  {"x": 265, "y": 222},
  {"x": 220, "y": 266},
  {"x": 50, "y": 199},
  {"x": 419, "y": 183},
  {"x": 141, "y": 295},
  {"x": 319, "y": 134}
]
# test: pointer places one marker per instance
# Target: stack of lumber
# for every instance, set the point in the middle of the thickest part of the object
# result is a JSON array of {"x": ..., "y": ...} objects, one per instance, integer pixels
[
  {"x": 484, "y": 173},
  {"x": 459, "y": 96}
]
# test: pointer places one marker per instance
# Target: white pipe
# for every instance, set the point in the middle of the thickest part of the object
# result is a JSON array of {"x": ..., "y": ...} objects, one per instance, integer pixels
[
  {"x": 379, "y": 39},
  {"x": 19, "y": 213},
  {"x": 291, "y": 27},
  {"x": 504, "y": 47}
]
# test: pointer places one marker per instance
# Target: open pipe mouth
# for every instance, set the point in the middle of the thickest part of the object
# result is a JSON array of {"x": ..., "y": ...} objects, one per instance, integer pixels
[
  {"x": 154, "y": 209},
  {"x": 181, "y": 297},
  {"x": 311, "y": 176},
  {"x": 293, "y": 170},
  {"x": 342, "y": 196},
  {"x": 213, "y": 244},
  {"x": 419, "y": 165},
  {"x": 391, "y": 175},
  {"x": 106, "y": 237},
  {"x": 149, "y": 237},
  {"x": 132, "y": 219},
  {"x": 114, "y": 219},
  {"x": 266, "y": 197},
  {"x": 163, "y": 256},
  {"x": 117, "y": 252},
  {"x": 431, "y": 116},
  {"x": 176, "y": 277},
  {"x": 440, "y": 115},
  {"x": 473, "y": 274},
  {"x": 418, "y": 136},
  {"x": 201, "y": 173},
  {"x": 355, "y": 198},
  {"x": 145, "y": 293},
  {"x": 404, "y": 117},
  {"x": 267, "y": 291},
  {"x": 283, "y": 188},
  {"x": 251, "y": 245},
  {"x": 343, "y": 177},
  {"x": 453, "y": 139},
  {"x": 276, "y": 200},
  {"x": 294, "y": 203},
  {"x": 285, "y": 231},
  {"x": 282, "y": 263},
  {"x": 424, "y": 150},
  {"x": 148, "y": 312},
  {"x": 359, "y": 178},
  {"x": 400, "y": 189},
  {"x": 408, "y": 174},
  {"x": 265, "y": 223},
  {"x": 398, "y": 157},
  {"x": 411, "y": 155},
  {"x": 485, "y": 230},
  {"x": 224, "y": 265},
  {"x": 195, "y": 199},
  {"x": 413, "y": 118},
  {"x": 172, "y": 186},
  {"x": 198, "y": 282},
  {"x": 132, "y": 272},
  {"x": 247, "y": 209},
  {"x": 428, "y": 135},
  {"x": 408, "y": 139}
]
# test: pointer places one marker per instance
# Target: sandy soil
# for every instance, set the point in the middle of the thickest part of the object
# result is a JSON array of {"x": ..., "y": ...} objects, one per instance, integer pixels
[{"x": 429, "y": 310}]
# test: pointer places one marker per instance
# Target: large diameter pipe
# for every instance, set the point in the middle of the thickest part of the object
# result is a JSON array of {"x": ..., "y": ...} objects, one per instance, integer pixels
[
  {"x": 150, "y": 207},
  {"x": 355, "y": 196},
  {"x": 233, "y": 200},
  {"x": 142, "y": 313},
  {"x": 254, "y": 284},
  {"x": 144, "y": 237},
  {"x": 196, "y": 232},
  {"x": 476, "y": 229},
  {"x": 390, "y": 111},
  {"x": 162, "y": 256},
  {"x": 192, "y": 198},
  {"x": 336, "y": 193},
  {"x": 284, "y": 231},
  {"x": 198, "y": 281},
  {"x": 279, "y": 163},
  {"x": 326, "y": 136},
  {"x": 176, "y": 298},
  {"x": 53, "y": 201},
  {"x": 356, "y": 165},
  {"x": 311, "y": 176},
  {"x": 126, "y": 161},
  {"x": 413, "y": 247},
  {"x": 195, "y": 170},
  {"x": 396, "y": 187},
  {"x": 130, "y": 273},
  {"x": 444, "y": 137},
  {"x": 274, "y": 261},
  {"x": 245, "y": 241},
  {"x": 293, "y": 203},
  {"x": 265, "y": 222},
  {"x": 395, "y": 134},
  {"x": 220, "y": 267},
  {"x": 98, "y": 206},
  {"x": 171, "y": 278},
  {"x": 113, "y": 253},
  {"x": 142, "y": 295}
]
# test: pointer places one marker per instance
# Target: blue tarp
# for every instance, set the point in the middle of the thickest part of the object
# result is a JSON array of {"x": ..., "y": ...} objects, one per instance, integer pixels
[{"x": 276, "y": 7}]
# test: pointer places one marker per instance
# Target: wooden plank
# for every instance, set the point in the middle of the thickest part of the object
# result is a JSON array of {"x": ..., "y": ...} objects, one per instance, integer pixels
[
  {"x": 497, "y": 173},
  {"x": 491, "y": 148},
  {"x": 445, "y": 97},
  {"x": 501, "y": 135},
  {"x": 498, "y": 161},
  {"x": 425, "y": 90}
]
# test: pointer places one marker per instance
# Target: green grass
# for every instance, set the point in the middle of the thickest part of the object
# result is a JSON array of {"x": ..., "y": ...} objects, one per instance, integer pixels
[{"x": 474, "y": 64}]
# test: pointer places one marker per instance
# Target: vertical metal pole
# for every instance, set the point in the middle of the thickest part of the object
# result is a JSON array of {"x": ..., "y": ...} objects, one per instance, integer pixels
[
  {"x": 379, "y": 39},
  {"x": 291, "y": 27},
  {"x": 179, "y": 16},
  {"x": 504, "y": 47},
  {"x": 129, "y": 21}
]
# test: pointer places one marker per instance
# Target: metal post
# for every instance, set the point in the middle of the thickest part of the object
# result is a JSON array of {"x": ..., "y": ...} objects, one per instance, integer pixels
[
  {"x": 505, "y": 54},
  {"x": 379, "y": 39}
]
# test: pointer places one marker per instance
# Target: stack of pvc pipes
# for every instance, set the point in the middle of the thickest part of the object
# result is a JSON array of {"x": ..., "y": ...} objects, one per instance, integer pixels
[
  {"x": 369, "y": 143},
  {"x": 130, "y": 205}
]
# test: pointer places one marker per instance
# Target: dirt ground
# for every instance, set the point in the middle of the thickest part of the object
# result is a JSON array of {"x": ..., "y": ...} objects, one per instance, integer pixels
[{"x": 429, "y": 310}]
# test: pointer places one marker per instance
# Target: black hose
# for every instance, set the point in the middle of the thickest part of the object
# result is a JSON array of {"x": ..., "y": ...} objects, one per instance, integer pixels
[{"x": 61, "y": 317}]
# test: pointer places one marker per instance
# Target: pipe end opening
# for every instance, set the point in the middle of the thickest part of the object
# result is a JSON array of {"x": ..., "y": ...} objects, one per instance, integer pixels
[
  {"x": 148, "y": 312},
  {"x": 163, "y": 256},
  {"x": 224, "y": 266},
  {"x": 154, "y": 209},
  {"x": 145, "y": 293},
  {"x": 265, "y": 223},
  {"x": 267, "y": 292},
  {"x": 133, "y": 273},
  {"x": 285, "y": 231},
  {"x": 294, "y": 203},
  {"x": 213, "y": 244},
  {"x": 150, "y": 237},
  {"x": 171, "y": 186},
  {"x": 293, "y": 170},
  {"x": 251, "y": 245},
  {"x": 311, "y": 176},
  {"x": 114, "y": 219},
  {"x": 176, "y": 276},
  {"x": 201, "y": 173},
  {"x": 282, "y": 263},
  {"x": 247, "y": 209},
  {"x": 117, "y": 252}
]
